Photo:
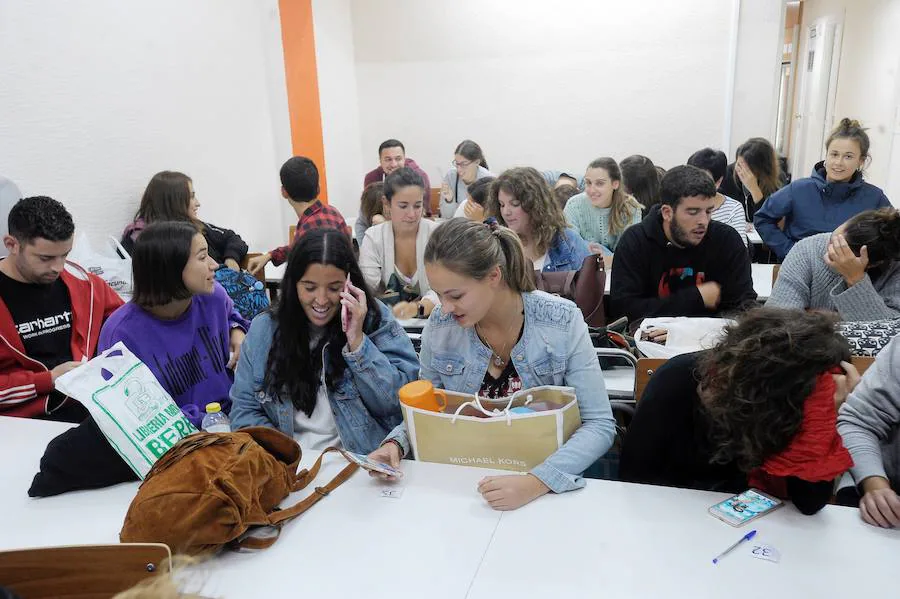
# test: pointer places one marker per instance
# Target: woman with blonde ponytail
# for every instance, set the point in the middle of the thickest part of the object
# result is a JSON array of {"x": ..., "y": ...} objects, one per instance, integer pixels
[
  {"x": 493, "y": 334},
  {"x": 822, "y": 202}
]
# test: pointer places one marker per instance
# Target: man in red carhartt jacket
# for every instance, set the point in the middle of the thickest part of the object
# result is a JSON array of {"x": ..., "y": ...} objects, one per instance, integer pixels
[{"x": 51, "y": 312}]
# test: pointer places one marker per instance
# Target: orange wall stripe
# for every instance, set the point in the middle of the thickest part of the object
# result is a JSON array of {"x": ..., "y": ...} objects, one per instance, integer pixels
[{"x": 299, "y": 43}]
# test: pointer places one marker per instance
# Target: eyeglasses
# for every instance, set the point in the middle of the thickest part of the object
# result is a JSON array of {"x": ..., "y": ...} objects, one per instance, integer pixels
[{"x": 457, "y": 164}]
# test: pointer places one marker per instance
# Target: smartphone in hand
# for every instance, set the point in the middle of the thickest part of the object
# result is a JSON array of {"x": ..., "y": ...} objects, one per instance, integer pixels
[{"x": 345, "y": 315}]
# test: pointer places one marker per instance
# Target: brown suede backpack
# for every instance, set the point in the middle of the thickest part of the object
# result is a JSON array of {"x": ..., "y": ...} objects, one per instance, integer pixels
[{"x": 210, "y": 488}]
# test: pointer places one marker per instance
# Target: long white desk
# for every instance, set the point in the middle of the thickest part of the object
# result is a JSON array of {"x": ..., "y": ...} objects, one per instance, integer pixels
[
  {"x": 439, "y": 539},
  {"x": 616, "y": 540}
]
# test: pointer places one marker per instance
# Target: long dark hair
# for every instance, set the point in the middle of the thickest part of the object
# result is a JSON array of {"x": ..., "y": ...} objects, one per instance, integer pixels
[
  {"x": 158, "y": 260},
  {"x": 879, "y": 231},
  {"x": 293, "y": 369},
  {"x": 167, "y": 197},
  {"x": 754, "y": 383},
  {"x": 640, "y": 178},
  {"x": 762, "y": 159}
]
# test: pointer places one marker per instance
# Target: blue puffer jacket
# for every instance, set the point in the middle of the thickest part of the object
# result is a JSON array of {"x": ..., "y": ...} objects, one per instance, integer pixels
[{"x": 813, "y": 205}]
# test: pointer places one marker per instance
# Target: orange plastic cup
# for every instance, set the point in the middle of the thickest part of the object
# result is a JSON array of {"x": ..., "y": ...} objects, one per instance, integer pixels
[{"x": 423, "y": 395}]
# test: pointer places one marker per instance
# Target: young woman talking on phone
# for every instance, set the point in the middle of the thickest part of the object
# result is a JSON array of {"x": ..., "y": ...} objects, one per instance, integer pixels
[
  {"x": 493, "y": 333},
  {"x": 310, "y": 375}
]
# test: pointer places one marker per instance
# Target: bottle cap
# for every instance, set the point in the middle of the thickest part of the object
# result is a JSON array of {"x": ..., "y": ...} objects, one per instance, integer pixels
[{"x": 213, "y": 408}]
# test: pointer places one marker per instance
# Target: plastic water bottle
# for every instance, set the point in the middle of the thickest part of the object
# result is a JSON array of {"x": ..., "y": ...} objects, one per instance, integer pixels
[{"x": 215, "y": 421}]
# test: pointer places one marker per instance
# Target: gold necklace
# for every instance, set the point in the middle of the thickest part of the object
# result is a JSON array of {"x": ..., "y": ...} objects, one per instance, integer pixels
[{"x": 498, "y": 359}]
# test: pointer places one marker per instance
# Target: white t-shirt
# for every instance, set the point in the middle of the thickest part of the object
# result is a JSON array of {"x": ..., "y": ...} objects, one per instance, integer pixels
[
  {"x": 318, "y": 431},
  {"x": 540, "y": 262},
  {"x": 461, "y": 210}
]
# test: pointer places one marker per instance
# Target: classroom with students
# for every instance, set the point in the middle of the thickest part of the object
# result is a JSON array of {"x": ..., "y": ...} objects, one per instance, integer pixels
[{"x": 462, "y": 299}]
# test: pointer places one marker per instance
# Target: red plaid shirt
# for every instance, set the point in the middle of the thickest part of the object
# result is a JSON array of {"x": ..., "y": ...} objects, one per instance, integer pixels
[{"x": 317, "y": 216}]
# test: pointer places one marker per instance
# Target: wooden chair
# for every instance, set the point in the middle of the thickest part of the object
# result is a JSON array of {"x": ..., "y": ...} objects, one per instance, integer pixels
[
  {"x": 82, "y": 572},
  {"x": 434, "y": 200},
  {"x": 862, "y": 363},
  {"x": 292, "y": 230},
  {"x": 775, "y": 269},
  {"x": 645, "y": 369}
]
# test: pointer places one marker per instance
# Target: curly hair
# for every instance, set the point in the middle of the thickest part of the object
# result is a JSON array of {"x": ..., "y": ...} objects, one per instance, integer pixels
[
  {"x": 531, "y": 191},
  {"x": 754, "y": 383},
  {"x": 40, "y": 216}
]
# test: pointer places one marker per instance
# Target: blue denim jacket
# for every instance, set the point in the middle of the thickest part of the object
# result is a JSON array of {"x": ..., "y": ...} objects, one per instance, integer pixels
[
  {"x": 567, "y": 252},
  {"x": 364, "y": 402},
  {"x": 555, "y": 349}
]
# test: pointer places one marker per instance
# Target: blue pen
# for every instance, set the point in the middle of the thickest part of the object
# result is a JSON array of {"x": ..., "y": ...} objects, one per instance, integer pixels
[{"x": 746, "y": 537}]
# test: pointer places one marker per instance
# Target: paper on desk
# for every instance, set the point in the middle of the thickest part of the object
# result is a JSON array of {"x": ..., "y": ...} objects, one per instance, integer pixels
[{"x": 766, "y": 552}]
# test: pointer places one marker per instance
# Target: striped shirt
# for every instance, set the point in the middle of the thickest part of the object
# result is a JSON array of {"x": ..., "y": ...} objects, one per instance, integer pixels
[
  {"x": 593, "y": 223},
  {"x": 731, "y": 213}
]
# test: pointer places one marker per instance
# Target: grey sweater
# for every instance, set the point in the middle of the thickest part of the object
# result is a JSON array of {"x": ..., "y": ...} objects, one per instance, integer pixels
[
  {"x": 869, "y": 419},
  {"x": 805, "y": 282}
]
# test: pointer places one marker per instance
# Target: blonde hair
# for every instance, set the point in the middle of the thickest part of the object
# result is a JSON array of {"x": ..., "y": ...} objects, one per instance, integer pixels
[
  {"x": 473, "y": 249},
  {"x": 623, "y": 205},
  {"x": 529, "y": 188},
  {"x": 163, "y": 584}
]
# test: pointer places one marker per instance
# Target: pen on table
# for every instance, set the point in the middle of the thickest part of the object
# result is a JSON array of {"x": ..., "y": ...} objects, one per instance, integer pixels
[{"x": 746, "y": 537}]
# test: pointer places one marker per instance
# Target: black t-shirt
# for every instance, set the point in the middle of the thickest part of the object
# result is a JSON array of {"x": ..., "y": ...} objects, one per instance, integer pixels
[{"x": 43, "y": 316}]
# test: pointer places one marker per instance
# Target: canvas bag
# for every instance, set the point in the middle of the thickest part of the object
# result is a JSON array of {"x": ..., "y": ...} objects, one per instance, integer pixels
[
  {"x": 506, "y": 441},
  {"x": 136, "y": 415},
  {"x": 113, "y": 266},
  {"x": 686, "y": 335},
  {"x": 208, "y": 490}
]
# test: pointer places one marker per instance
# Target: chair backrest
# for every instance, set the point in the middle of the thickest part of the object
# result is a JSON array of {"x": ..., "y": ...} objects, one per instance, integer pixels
[
  {"x": 862, "y": 363},
  {"x": 645, "y": 369},
  {"x": 434, "y": 200},
  {"x": 292, "y": 230},
  {"x": 775, "y": 269},
  {"x": 85, "y": 571}
]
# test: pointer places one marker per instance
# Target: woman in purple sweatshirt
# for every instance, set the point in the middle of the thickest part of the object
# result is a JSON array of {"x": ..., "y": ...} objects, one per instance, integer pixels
[{"x": 180, "y": 322}]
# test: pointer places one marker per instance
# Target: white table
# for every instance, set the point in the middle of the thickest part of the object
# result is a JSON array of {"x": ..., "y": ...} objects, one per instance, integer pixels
[
  {"x": 762, "y": 279},
  {"x": 754, "y": 237},
  {"x": 616, "y": 540},
  {"x": 274, "y": 274},
  {"x": 439, "y": 539},
  {"x": 353, "y": 543}
]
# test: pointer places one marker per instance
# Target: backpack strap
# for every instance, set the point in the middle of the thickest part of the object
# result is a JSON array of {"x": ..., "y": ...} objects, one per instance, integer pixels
[{"x": 279, "y": 517}]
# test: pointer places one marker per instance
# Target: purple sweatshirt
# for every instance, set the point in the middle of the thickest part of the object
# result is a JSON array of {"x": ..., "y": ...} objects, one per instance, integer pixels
[{"x": 188, "y": 355}]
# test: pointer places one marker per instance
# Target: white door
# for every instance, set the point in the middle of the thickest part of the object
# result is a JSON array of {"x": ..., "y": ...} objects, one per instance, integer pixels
[{"x": 818, "y": 73}]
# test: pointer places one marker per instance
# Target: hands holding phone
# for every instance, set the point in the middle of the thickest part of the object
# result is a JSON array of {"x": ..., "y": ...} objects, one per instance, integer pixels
[{"x": 353, "y": 314}]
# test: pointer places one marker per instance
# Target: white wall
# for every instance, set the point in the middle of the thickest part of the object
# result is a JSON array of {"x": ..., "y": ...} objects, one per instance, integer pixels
[
  {"x": 556, "y": 84},
  {"x": 868, "y": 84},
  {"x": 757, "y": 72},
  {"x": 97, "y": 95},
  {"x": 344, "y": 162}
]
